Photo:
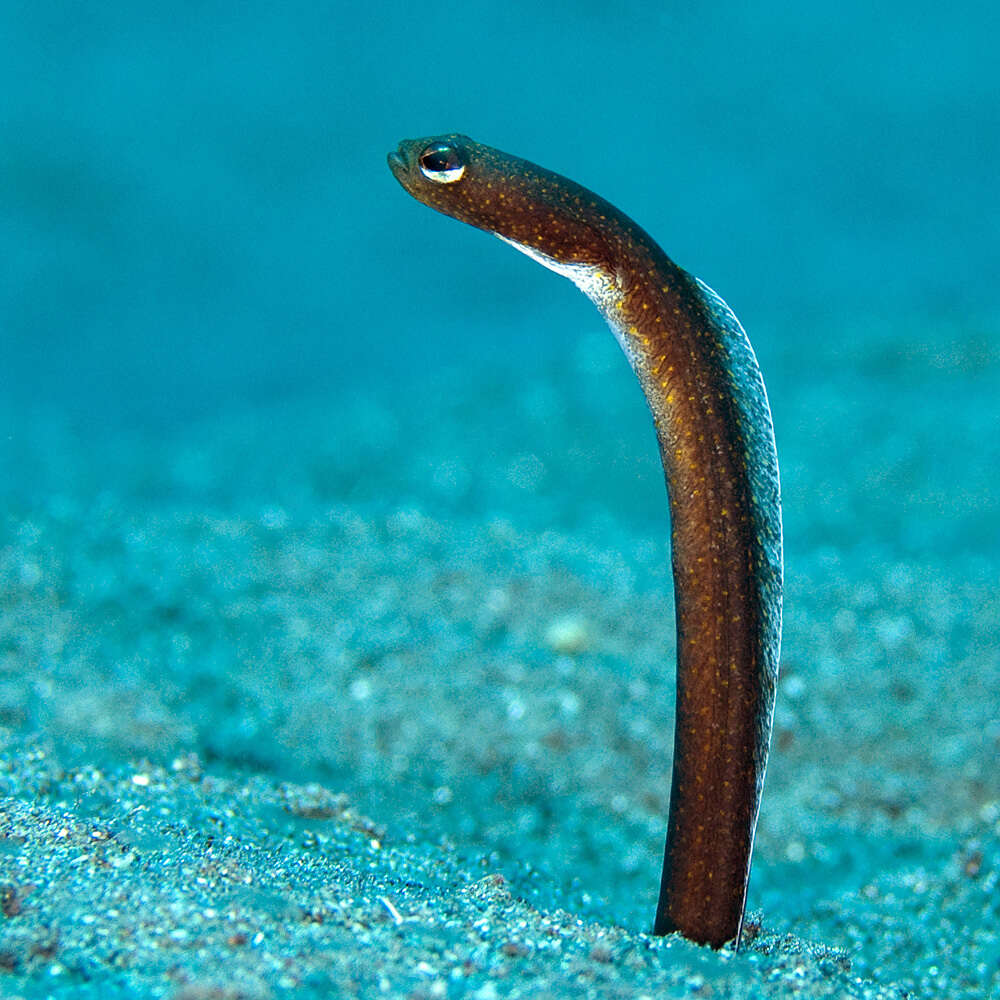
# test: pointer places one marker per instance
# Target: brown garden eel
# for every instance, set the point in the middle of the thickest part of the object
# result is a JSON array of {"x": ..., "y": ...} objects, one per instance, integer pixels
[{"x": 704, "y": 388}]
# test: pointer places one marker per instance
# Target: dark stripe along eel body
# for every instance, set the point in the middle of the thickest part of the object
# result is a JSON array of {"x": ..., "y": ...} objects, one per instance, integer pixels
[{"x": 713, "y": 423}]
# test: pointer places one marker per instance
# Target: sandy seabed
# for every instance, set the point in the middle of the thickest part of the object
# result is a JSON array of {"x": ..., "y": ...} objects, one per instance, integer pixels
[{"x": 373, "y": 696}]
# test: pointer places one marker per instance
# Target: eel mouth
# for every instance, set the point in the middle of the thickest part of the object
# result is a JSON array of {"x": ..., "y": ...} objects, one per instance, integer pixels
[{"x": 399, "y": 162}]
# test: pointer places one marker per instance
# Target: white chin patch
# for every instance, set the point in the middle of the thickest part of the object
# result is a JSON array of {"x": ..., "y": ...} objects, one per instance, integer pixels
[{"x": 597, "y": 285}]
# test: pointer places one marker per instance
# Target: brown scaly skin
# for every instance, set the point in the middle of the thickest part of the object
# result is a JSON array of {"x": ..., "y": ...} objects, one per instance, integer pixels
[{"x": 713, "y": 424}]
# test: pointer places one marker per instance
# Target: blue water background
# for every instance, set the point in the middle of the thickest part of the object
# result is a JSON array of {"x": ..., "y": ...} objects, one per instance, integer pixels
[
  {"x": 198, "y": 230},
  {"x": 195, "y": 211}
]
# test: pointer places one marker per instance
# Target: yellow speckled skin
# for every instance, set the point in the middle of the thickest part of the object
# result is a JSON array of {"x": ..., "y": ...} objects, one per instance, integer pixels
[{"x": 703, "y": 386}]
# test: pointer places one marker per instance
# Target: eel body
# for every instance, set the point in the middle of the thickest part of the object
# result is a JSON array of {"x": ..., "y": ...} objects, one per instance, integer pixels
[{"x": 713, "y": 424}]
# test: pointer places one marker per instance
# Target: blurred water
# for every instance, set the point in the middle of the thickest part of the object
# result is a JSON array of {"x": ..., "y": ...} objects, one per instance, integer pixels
[
  {"x": 196, "y": 211},
  {"x": 255, "y": 402}
]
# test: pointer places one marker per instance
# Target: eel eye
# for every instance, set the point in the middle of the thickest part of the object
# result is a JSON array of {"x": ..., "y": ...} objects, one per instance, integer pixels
[{"x": 442, "y": 163}]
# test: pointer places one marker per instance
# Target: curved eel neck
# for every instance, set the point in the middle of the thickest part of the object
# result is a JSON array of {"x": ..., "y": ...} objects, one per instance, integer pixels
[{"x": 713, "y": 424}]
